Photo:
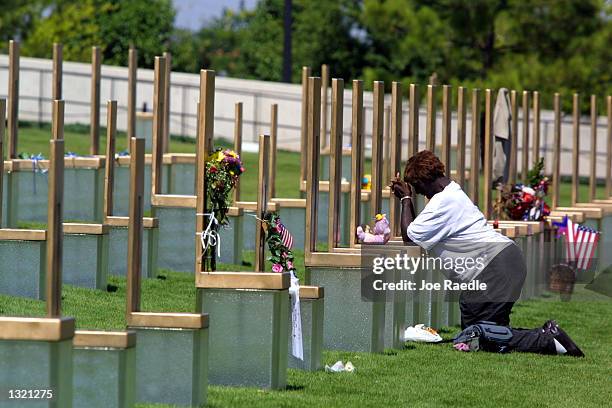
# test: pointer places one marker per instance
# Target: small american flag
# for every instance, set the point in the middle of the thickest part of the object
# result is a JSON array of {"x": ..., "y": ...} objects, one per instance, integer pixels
[
  {"x": 286, "y": 236},
  {"x": 580, "y": 241}
]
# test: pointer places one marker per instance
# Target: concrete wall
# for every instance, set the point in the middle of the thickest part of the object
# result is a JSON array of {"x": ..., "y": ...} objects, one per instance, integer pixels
[{"x": 257, "y": 96}]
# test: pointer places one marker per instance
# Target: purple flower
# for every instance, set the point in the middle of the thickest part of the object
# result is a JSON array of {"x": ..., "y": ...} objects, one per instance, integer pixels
[{"x": 277, "y": 268}]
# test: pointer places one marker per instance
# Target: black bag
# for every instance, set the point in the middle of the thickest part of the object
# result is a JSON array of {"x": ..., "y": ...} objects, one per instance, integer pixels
[{"x": 486, "y": 336}]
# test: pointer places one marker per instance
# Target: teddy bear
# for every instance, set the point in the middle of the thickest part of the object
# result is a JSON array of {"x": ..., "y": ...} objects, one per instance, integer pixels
[{"x": 379, "y": 235}]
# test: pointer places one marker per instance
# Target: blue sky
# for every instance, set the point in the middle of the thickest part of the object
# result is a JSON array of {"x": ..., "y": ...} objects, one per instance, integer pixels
[{"x": 193, "y": 13}]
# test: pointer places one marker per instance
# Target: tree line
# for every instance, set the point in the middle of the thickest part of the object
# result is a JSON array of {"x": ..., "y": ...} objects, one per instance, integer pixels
[{"x": 549, "y": 45}]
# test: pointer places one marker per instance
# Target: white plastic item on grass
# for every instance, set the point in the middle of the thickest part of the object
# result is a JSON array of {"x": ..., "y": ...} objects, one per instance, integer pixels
[
  {"x": 421, "y": 333},
  {"x": 339, "y": 367}
]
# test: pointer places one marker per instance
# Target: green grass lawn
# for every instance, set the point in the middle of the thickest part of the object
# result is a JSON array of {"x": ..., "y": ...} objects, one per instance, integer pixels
[{"x": 419, "y": 375}]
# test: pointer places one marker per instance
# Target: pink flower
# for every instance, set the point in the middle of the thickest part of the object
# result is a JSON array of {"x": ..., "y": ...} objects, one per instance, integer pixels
[
  {"x": 289, "y": 265},
  {"x": 277, "y": 268},
  {"x": 213, "y": 169}
]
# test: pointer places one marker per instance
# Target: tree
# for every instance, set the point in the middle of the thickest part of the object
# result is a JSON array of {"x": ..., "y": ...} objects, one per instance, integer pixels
[
  {"x": 249, "y": 44},
  {"x": 405, "y": 43},
  {"x": 113, "y": 25},
  {"x": 17, "y": 17}
]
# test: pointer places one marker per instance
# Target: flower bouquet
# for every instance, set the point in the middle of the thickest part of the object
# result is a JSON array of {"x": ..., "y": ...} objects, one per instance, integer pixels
[
  {"x": 223, "y": 167},
  {"x": 526, "y": 201},
  {"x": 279, "y": 242}
]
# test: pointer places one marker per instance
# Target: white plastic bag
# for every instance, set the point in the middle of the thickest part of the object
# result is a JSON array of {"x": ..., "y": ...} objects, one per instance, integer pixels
[
  {"x": 339, "y": 367},
  {"x": 421, "y": 333}
]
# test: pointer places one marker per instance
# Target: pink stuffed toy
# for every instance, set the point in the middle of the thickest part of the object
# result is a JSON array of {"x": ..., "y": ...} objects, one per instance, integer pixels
[{"x": 379, "y": 235}]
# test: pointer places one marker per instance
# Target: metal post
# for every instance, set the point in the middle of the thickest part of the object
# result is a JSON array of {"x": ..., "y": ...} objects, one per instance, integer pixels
[
  {"x": 446, "y": 127},
  {"x": 557, "y": 151},
  {"x": 488, "y": 155},
  {"x": 94, "y": 126},
  {"x": 304, "y": 123},
  {"x": 313, "y": 151},
  {"x": 135, "y": 225},
  {"x": 168, "y": 57},
  {"x": 263, "y": 196},
  {"x": 55, "y": 210},
  {"x": 204, "y": 145},
  {"x": 377, "y": 138},
  {"x": 56, "y": 90},
  {"x": 335, "y": 164},
  {"x": 430, "y": 129},
  {"x": 109, "y": 165},
  {"x": 395, "y": 159},
  {"x": 131, "y": 104},
  {"x": 593, "y": 172},
  {"x": 13, "y": 99},
  {"x": 413, "y": 121},
  {"x": 475, "y": 144},
  {"x": 158, "y": 125},
  {"x": 512, "y": 168},
  {"x": 575, "y": 148},
  {"x": 357, "y": 141},
  {"x": 237, "y": 142},
  {"x": 461, "y": 131},
  {"x": 273, "y": 143}
]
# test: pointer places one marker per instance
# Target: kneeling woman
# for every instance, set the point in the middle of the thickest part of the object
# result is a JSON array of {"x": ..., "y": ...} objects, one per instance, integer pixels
[{"x": 451, "y": 226}]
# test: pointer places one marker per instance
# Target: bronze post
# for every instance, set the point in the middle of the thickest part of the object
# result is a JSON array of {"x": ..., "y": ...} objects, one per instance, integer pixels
[
  {"x": 2, "y": 127},
  {"x": 593, "y": 172},
  {"x": 13, "y": 100},
  {"x": 357, "y": 141},
  {"x": 135, "y": 225},
  {"x": 377, "y": 138},
  {"x": 109, "y": 165},
  {"x": 55, "y": 210},
  {"x": 263, "y": 196},
  {"x": 488, "y": 155},
  {"x": 324, "y": 108},
  {"x": 475, "y": 147},
  {"x": 557, "y": 151},
  {"x": 461, "y": 131},
  {"x": 158, "y": 125},
  {"x": 512, "y": 168},
  {"x": 525, "y": 151},
  {"x": 430, "y": 130},
  {"x": 204, "y": 145},
  {"x": 446, "y": 127},
  {"x": 335, "y": 163},
  {"x": 609, "y": 150},
  {"x": 312, "y": 174},
  {"x": 168, "y": 57},
  {"x": 575, "y": 148},
  {"x": 304, "y": 124},
  {"x": 413, "y": 121},
  {"x": 131, "y": 104},
  {"x": 273, "y": 144},
  {"x": 94, "y": 126},
  {"x": 237, "y": 142},
  {"x": 395, "y": 159},
  {"x": 536, "y": 127},
  {"x": 56, "y": 90}
]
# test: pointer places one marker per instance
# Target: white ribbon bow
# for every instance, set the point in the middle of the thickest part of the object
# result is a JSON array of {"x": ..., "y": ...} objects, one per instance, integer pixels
[{"x": 210, "y": 237}]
